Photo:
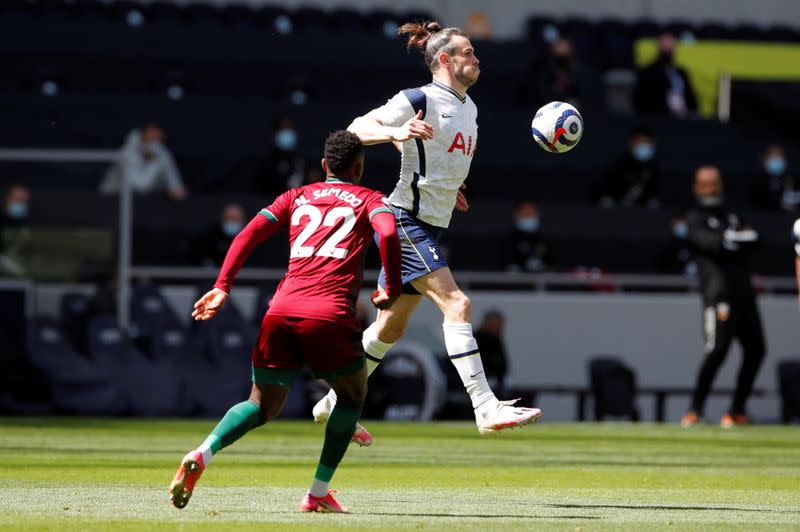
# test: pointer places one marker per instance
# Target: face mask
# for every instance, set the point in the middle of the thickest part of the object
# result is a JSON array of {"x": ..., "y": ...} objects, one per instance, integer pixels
[
  {"x": 665, "y": 57},
  {"x": 643, "y": 152},
  {"x": 286, "y": 139},
  {"x": 17, "y": 210},
  {"x": 710, "y": 201},
  {"x": 231, "y": 229},
  {"x": 775, "y": 165},
  {"x": 680, "y": 230},
  {"x": 527, "y": 225},
  {"x": 152, "y": 147}
]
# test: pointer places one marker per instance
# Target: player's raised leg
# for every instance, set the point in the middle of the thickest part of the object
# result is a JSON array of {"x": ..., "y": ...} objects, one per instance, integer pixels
[
  {"x": 491, "y": 415},
  {"x": 351, "y": 389},
  {"x": 377, "y": 340},
  {"x": 265, "y": 402}
]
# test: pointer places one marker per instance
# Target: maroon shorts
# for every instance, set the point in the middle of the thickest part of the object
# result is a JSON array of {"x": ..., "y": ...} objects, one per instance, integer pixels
[{"x": 285, "y": 344}]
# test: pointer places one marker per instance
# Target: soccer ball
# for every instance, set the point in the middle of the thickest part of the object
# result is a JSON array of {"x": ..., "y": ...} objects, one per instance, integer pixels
[{"x": 557, "y": 127}]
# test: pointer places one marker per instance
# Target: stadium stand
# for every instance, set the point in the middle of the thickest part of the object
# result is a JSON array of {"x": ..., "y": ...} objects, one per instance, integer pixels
[{"x": 211, "y": 76}]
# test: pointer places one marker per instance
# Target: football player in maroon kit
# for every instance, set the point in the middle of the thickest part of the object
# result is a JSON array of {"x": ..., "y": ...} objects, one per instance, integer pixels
[{"x": 311, "y": 318}]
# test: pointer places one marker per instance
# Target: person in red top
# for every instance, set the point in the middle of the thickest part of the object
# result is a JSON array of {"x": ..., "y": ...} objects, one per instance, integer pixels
[{"x": 311, "y": 319}]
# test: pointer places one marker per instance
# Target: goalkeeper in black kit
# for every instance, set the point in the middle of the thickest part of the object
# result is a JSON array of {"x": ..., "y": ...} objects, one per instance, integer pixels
[{"x": 721, "y": 244}]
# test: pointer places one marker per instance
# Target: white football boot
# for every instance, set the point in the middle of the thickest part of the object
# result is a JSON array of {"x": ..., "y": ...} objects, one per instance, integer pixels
[{"x": 494, "y": 416}]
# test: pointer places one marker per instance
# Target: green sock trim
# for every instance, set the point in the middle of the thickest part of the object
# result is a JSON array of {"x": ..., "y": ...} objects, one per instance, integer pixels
[
  {"x": 324, "y": 473},
  {"x": 338, "y": 431},
  {"x": 214, "y": 443},
  {"x": 238, "y": 421}
]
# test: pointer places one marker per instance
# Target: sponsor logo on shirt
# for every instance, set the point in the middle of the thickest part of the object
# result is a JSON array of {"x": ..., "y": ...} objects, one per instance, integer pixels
[{"x": 466, "y": 147}]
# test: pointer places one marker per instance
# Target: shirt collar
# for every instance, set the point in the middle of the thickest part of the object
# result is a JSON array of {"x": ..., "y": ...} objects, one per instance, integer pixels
[{"x": 444, "y": 87}]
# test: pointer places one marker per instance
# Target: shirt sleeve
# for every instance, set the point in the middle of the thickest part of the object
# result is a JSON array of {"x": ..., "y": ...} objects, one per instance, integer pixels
[
  {"x": 279, "y": 211},
  {"x": 389, "y": 248},
  {"x": 376, "y": 203},
  {"x": 394, "y": 112},
  {"x": 171, "y": 173}
]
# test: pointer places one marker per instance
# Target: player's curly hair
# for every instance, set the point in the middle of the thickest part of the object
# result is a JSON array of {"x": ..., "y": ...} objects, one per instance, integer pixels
[
  {"x": 342, "y": 148},
  {"x": 431, "y": 38}
]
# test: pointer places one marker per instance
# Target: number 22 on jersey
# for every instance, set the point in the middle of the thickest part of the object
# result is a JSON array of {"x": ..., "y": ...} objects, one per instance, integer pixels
[{"x": 314, "y": 216}]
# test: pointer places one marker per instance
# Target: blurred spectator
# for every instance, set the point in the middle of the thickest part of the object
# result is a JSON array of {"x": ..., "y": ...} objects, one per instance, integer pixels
[
  {"x": 147, "y": 164},
  {"x": 524, "y": 249},
  {"x": 775, "y": 187},
  {"x": 662, "y": 88},
  {"x": 14, "y": 231},
  {"x": 632, "y": 179},
  {"x": 562, "y": 77},
  {"x": 676, "y": 257},
  {"x": 212, "y": 245},
  {"x": 281, "y": 168},
  {"x": 489, "y": 337}
]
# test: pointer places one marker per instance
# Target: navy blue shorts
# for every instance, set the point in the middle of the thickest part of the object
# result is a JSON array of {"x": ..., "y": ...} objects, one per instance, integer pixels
[{"x": 419, "y": 243}]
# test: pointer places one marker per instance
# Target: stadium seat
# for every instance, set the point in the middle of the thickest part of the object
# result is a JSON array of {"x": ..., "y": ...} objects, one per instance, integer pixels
[
  {"x": 616, "y": 42},
  {"x": 646, "y": 29},
  {"x": 613, "y": 386},
  {"x": 203, "y": 391},
  {"x": 311, "y": 19},
  {"x": 230, "y": 340},
  {"x": 74, "y": 313},
  {"x": 151, "y": 312},
  {"x": 77, "y": 385},
  {"x": 150, "y": 387},
  {"x": 347, "y": 20},
  {"x": 714, "y": 31},
  {"x": 783, "y": 33},
  {"x": 789, "y": 387}
]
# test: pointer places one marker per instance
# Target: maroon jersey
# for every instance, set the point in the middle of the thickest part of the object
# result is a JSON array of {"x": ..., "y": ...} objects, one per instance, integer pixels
[{"x": 330, "y": 229}]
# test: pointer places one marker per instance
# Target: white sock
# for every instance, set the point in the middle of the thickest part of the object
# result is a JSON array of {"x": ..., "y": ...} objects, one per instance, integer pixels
[
  {"x": 463, "y": 352},
  {"x": 375, "y": 351},
  {"x": 319, "y": 488},
  {"x": 374, "y": 348},
  {"x": 205, "y": 449}
]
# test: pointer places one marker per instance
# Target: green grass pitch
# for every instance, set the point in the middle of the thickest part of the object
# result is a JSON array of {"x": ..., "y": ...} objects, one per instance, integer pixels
[{"x": 78, "y": 474}]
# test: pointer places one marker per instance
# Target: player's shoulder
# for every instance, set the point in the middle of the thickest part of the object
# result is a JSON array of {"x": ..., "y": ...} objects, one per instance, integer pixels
[
  {"x": 343, "y": 190},
  {"x": 361, "y": 190}
]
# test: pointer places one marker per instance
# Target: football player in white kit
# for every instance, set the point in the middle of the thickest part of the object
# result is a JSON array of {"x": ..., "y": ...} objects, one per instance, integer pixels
[{"x": 435, "y": 129}]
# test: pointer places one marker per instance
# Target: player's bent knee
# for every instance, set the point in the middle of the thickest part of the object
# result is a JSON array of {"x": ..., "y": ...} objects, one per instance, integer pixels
[{"x": 459, "y": 308}]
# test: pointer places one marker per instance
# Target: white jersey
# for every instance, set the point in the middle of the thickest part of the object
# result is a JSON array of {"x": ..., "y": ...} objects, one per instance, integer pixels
[{"x": 431, "y": 171}]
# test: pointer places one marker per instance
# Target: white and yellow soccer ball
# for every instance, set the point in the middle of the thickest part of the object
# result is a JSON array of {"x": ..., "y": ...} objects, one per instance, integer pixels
[{"x": 557, "y": 127}]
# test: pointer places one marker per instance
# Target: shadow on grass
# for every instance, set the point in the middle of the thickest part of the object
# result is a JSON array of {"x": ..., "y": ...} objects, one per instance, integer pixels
[
  {"x": 669, "y": 508},
  {"x": 481, "y": 516}
]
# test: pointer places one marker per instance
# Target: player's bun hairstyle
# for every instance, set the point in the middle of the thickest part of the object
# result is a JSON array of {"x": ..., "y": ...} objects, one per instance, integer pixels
[
  {"x": 431, "y": 38},
  {"x": 342, "y": 148}
]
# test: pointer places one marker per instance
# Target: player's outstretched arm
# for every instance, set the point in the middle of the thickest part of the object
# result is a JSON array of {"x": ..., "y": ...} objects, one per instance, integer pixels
[
  {"x": 389, "y": 247},
  {"x": 372, "y": 131}
]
